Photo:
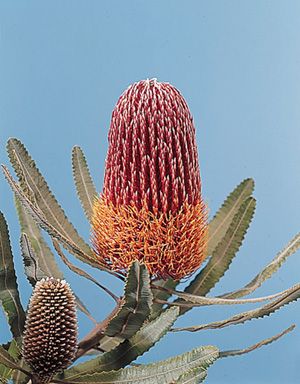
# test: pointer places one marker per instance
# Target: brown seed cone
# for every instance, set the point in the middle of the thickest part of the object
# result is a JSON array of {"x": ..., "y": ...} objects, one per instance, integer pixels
[{"x": 50, "y": 338}]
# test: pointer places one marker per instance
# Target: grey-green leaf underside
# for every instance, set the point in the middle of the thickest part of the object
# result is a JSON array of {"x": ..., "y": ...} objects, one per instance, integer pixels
[
  {"x": 223, "y": 218},
  {"x": 137, "y": 303},
  {"x": 164, "y": 372},
  {"x": 267, "y": 271},
  {"x": 9, "y": 295},
  {"x": 224, "y": 252},
  {"x": 40, "y": 194},
  {"x": 128, "y": 350},
  {"x": 289, "y": 296}
]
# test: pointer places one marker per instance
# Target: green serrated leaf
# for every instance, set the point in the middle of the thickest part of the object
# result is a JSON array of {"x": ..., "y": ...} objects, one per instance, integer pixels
[
  {"x": 289, "y": 296},
  {"x": 196, "y": 300},
  {"x": 218, "y": 227},
  {"x": 158, "y": 294},
  {"x": 128, "y": 350},
  {"x": 164, "y": 372},
  {"x": 238, "y": 352},
  {"x": 193, "y": 376},
  {"x": 223, "y": 218},
  {"x": 108, "y": 343},
  {"x": 33, "y": 271},
  {"x": 224, "y": 252},
  {"x": 40, "y": 195},
  {"x": 44, "y": 258},
  {"x": 268, "y": 271},
  {"x": 85, "y": 187},
  {"x": 137, "y": 303},
  {"x": 39, "y": 218},
  {"x": 30, "y": 260},
  {"x": 9, "y": 295}
]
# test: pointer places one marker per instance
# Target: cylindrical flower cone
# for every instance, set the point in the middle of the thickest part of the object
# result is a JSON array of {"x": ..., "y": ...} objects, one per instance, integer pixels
[
  {"x": 151, "y": 207},
  {"x": 50, "y": 339}
]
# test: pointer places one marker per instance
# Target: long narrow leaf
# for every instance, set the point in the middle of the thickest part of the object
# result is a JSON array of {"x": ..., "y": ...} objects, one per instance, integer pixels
[
  {"x": 238, "y": 352},
  {"x": 43, "y": 198},
  {"x": 218, "y": 227},
  {"x": 32, "y": 269},
  {"x": 291, "y": 294},
  {"x": 205, "y": 300},
  {"x": 39, "y": 218},
  {"x": 268, "y": 271},
  {"x": 34, "y": 273},
  {"x": 193, "y": 376},
  {"x": 223, "y": 218},
  {"x": 9, "y": 295},
  {"x": 137, "y": 303},
  {"x": 129, "y": 350},
  {"x": 44, "y": 258},
  {"x": 163, "y": 372},
  {"x": 161, "y": 294},
  {"x": 224, "y": 252},
  {"x": 86, "y": 190}
]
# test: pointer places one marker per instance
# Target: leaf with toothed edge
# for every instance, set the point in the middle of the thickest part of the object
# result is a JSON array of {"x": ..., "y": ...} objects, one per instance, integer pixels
[
  {"x": 267, "y": 271},
  {"x": 197, "y": 301},
  {"x": 85, "y": 187},
  {"x": 39, "y": 193},
  {"x": 238, "y": 352},
  {"x": 224, "y": 252},
  {"x": 217, "y": 229},
  {"x": 35, "y": 247},
  {"x": 39, "y": 218},
  {"x": 34, "y": 273},
  {"x": 193, "y": 376},
  {"x": 30, "y": 260},
  {"x": 164, "y": 372},
  {"x": 128, "y": 350},
  {"x": 220, "y": 223},
  {"x": 9, "y": 295},
  {"x": 290, "y": 295},
  {"x": 137, "y": 303}
]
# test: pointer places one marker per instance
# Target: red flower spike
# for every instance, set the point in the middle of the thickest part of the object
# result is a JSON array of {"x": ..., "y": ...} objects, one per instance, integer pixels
[{"x": 151, "y": 208}]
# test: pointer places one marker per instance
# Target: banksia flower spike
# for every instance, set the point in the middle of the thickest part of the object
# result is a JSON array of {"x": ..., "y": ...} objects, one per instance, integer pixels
[
  {"x": 50, "y": 339},
  {"x": 151, "y": 207}
]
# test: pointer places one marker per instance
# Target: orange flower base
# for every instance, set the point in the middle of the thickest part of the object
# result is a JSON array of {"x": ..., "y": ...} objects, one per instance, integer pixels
[{"x": 169, "y": 244}]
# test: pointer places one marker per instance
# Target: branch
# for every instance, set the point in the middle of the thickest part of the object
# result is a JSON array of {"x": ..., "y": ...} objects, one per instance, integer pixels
[
  {"x": 81, "y": 272},
  {"x": 92, "y": 339}
]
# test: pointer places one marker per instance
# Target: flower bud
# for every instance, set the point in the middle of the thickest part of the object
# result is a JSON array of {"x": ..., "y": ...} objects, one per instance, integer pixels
[{"x": 151, "y": 207}]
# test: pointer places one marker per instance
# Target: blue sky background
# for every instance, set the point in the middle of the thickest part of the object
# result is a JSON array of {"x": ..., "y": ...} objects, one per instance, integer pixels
[{"x": 63, "y": 64}]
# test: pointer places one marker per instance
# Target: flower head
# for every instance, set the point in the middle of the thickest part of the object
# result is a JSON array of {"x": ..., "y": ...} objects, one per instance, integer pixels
[{"x": 151, "y": 208}]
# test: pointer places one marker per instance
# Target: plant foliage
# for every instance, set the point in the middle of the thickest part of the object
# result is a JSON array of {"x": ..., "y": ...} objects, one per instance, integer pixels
[{"x": 148, "y": 308}]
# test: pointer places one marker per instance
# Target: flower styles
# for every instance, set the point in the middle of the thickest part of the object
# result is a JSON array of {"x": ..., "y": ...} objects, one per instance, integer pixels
[{"x": 151, "y": 208}]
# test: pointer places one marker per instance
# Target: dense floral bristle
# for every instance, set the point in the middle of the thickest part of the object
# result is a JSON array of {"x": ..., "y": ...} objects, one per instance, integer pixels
[
  {"x": 152, "y": 155},
  {"x": 50, "y": 338},
  {"x": 151, "y": 207},
  {"x": 169, "y": 244}
]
